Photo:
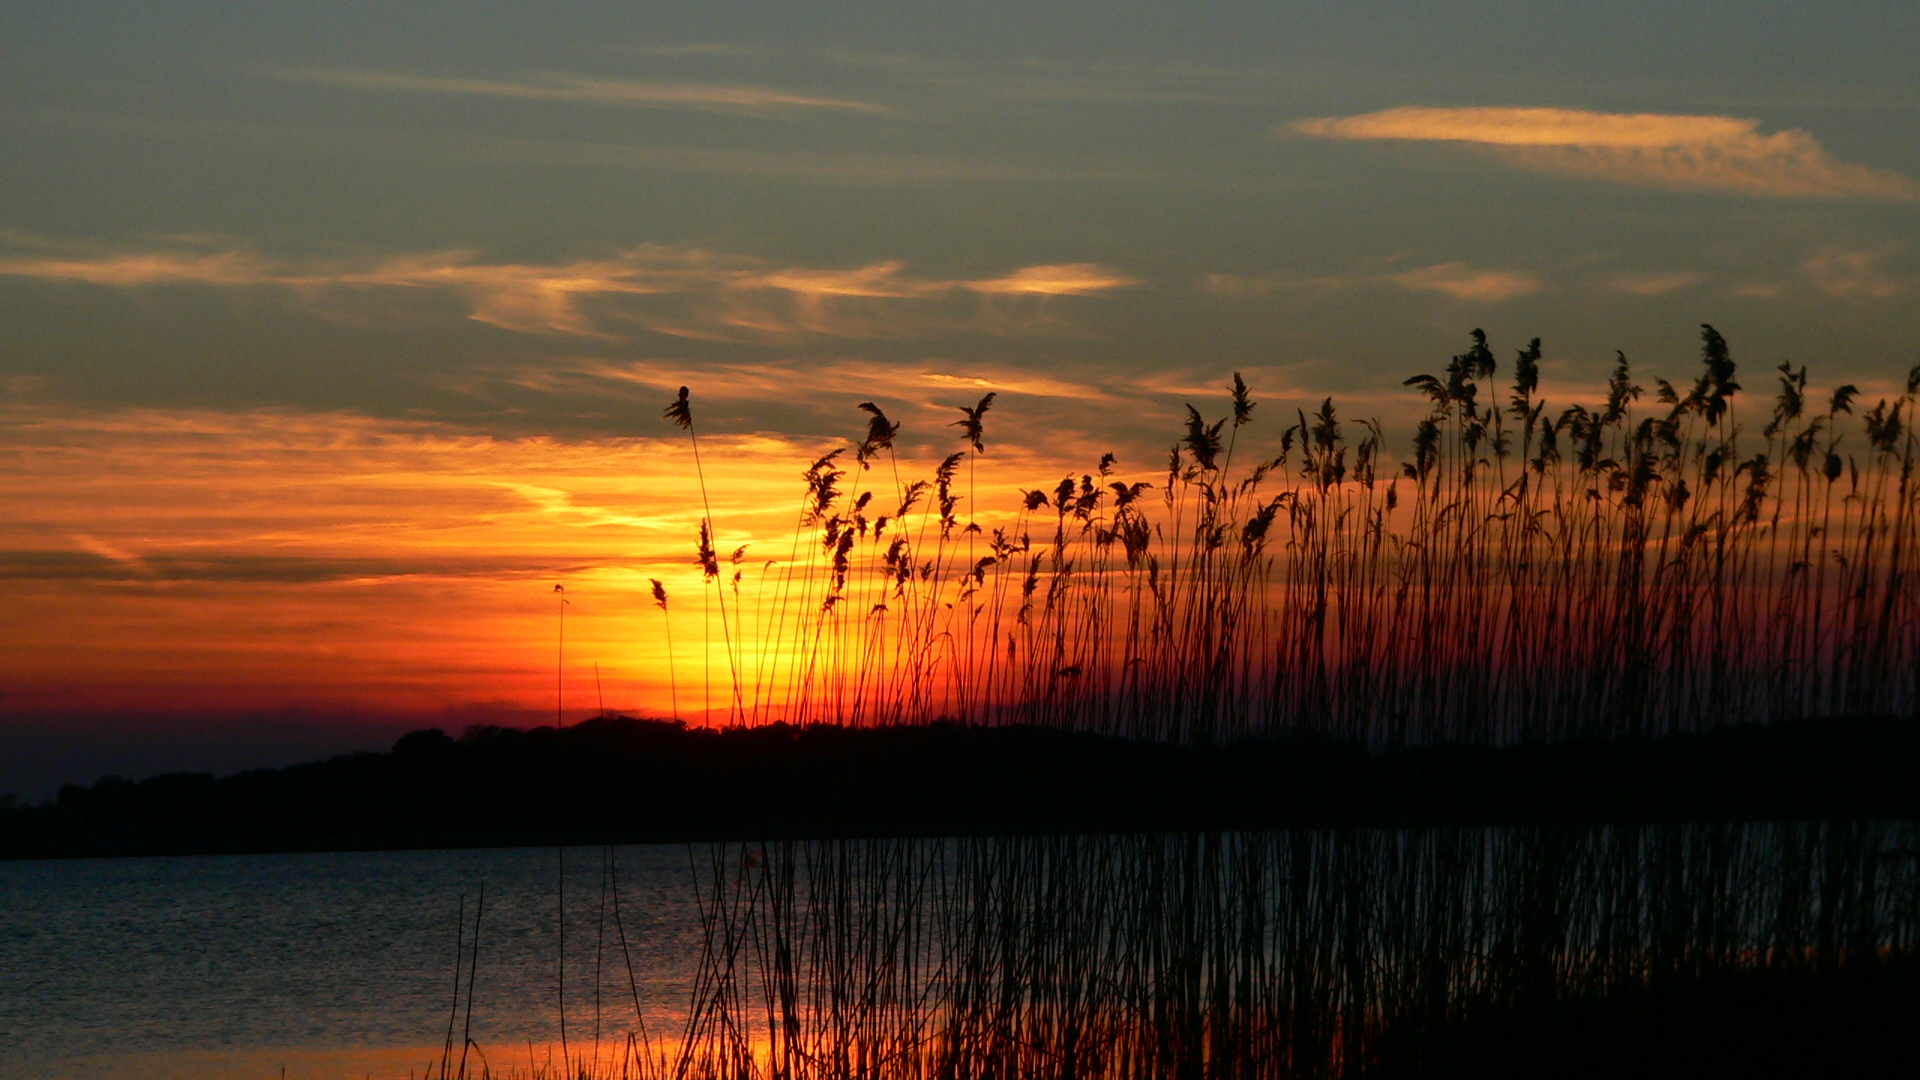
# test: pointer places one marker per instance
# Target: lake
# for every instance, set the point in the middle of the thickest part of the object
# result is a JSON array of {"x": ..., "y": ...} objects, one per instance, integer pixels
[
  {"x": 1312, "y": 952},
  {"x": 327, "y": 964}
]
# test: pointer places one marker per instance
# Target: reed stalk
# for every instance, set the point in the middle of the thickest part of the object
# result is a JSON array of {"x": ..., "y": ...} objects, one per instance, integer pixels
[{"x": 1515, "y": 574}]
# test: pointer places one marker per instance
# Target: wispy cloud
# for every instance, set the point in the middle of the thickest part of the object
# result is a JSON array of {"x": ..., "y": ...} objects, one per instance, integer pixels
[
  {"x": 1242, "y": 286},
  {"x": 113, "y": 553},
  {"x": 279, "y": 555},
  {"x": 1856, "y": 275},
  {"x": 134, "y": 269},
  {"x": 1690, "y": 153},
  {"x": 20, "y": 386},
  {"x": 1652, "y": 282},
  {"x": 1070, "y": 279},
  {"x": 928, "y": 382},
  {"x": 1457, "y": 280},
  {"x": 700, "y": 293},
  {"x": 444, "y": 147},
  {"x": 582, "y": 89},
  {"x": 90, "y": 564},
  {"x": 1762, "y": 289},
  {"x": 696, "y": 48},
  {"x": 1463, "y": 282},
  {"x": 944, "y": 82},
  {"x": 193, "y": 556}
]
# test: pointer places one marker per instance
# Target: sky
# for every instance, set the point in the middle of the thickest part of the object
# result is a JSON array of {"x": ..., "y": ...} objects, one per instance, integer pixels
[{"x": 333, "y": 336}]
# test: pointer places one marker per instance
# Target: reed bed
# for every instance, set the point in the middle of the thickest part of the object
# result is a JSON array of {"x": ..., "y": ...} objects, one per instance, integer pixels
[
  {"x": 1267, "y": 954},
  {"x": 1301, "y": 954},
  {"x": 1511, "y": 573}
]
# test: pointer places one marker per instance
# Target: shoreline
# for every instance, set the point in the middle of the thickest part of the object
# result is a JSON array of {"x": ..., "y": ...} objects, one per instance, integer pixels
[{"x": 622, "y": 780}]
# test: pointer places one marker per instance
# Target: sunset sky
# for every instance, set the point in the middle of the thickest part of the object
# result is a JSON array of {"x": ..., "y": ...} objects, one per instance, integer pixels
[{"x": 333, "y": 336}]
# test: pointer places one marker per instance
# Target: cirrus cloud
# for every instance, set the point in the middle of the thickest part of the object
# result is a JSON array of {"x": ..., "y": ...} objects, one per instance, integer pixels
[
  {"x": 1463, "y": 282},
  {"x": 1684, "y": 152},
  {"x": 1860, "y": 276},
  {"x": 1054, "y": 279},
  {"x": 1652, "y": 282},
  {"x": 677, "y": 290},
  {"x": 1455, "y": 280},
  {"x": 586, "y": 90}
]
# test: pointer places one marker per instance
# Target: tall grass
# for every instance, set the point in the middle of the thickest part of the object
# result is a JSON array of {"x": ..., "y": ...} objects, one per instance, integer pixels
[
  {"x": 1265, "y": 954},
  {"x": 1510, "y": 573},
  {"x": 1299, "y": 954}
]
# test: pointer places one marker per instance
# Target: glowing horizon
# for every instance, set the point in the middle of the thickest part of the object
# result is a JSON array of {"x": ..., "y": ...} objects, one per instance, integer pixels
[
  {"x": 332, "y": 346},
  {"x": 271, "y": 561}
]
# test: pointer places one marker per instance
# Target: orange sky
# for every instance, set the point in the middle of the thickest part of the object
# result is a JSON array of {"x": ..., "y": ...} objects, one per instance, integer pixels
[
  {"x": 329, "y": 343},
  {"x": 175, "y": 560}
]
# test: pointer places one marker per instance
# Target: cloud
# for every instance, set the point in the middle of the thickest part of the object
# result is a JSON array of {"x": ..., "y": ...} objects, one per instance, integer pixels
[
  {"x": 199, "y": 559},
  {"x": 1758, "y": 290},
  {"x": 776, "y": 382},
  {"x": 695, "y": 292},
  {"x": 91, "y": 564},
  {"x": 113, "y": 553},
  {"x": 143, "y": 268},
  {"x": 881, "y": 280},
  {"x": 698, "y": 48},
  {"x": 1859, "y": 276},
  {"x": 1688, "y": 153},
  {"x": 1071, "y": 279},
  {"x": 1653, "y": 283},
  {"x": 580, "y": 89},
  {"x": 1454, "y": 279},
  {"x": 801, "y": 163},
  {"x": 154, "y": 496},
  {"x": 559, "y": 502},
  {"x": 1242, "y": 286},
  {"x": 20, "y": 386},
  {"x": 950, "y": 83},
  {"x": 1463, "y": 282}
]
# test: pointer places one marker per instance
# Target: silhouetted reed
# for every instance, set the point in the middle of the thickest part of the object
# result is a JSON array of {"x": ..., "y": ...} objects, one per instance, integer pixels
[
  {"x": 1298, "y": 954},
  {"x": 1265, "y": 954},
  {"x": 1518, "y": 574}
]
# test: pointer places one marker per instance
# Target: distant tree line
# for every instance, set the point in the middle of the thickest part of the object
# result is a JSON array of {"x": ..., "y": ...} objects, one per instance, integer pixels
[{"x": 618, "y": 779}]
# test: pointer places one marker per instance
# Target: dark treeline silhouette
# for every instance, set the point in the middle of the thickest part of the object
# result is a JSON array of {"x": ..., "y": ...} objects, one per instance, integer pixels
[
  {"x": 622, "y": 780},
  {"x": 1630, "y": 611}
]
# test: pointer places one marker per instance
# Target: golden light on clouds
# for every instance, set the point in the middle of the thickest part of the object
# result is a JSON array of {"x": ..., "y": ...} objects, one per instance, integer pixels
[
  {"x": 1072, "y": 279},
  {"x": 1856, "y": 275},
  {"x": 699, "y": 293},
  {"x": 136, "y": 269},
  {"x": 1653, "y": 282},
  {"x": 1689, "y": 153},
  {"x": 190, "y": 559},
  {"x": 182, "y": 558},
  {"x": 749, "y": 381},
  {"x": 1455, "y": 280},
  {"x": 580, "y": 89},
  {"x": 1463, "y": 282}
]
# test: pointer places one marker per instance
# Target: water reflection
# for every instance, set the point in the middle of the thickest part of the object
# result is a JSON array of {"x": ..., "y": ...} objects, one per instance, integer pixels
[
  {"x": 1284, "y": 954},
  {"x": 1276, "y": 954},
  {"x": 329, "y": 964}
]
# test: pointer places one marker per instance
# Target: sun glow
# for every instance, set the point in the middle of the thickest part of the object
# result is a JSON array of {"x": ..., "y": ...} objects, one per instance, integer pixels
[{"x": 182, "y": 560}]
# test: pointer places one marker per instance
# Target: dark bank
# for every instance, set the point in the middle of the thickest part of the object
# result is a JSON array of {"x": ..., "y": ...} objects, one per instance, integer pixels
[{"x": 624, "y": 780}]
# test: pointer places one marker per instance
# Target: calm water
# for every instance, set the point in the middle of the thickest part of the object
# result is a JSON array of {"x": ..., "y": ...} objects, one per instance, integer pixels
[
  {"x": 326, "y": 965},
  {"x": 1280, "y": 952}
]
